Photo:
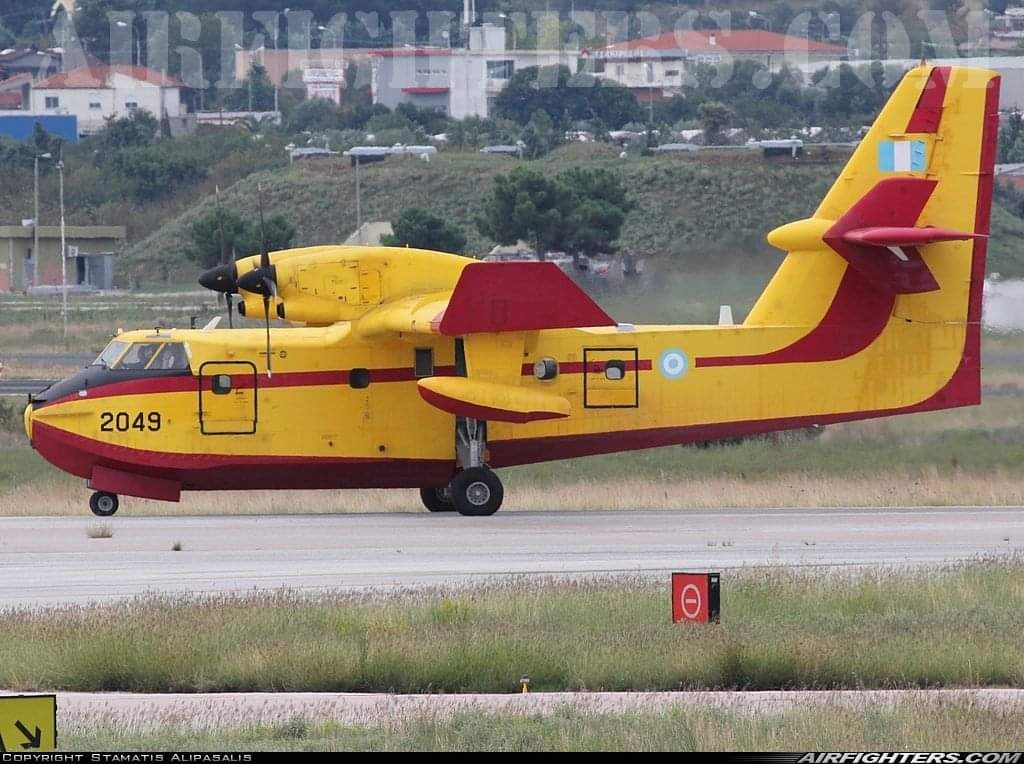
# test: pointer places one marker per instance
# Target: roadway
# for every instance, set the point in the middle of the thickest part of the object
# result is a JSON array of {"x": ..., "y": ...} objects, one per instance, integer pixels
[{"x": 52, "y": 560}]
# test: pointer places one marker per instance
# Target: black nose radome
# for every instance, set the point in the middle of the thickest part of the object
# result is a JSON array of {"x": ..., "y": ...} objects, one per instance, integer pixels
[{"x": 223, "y": 278}]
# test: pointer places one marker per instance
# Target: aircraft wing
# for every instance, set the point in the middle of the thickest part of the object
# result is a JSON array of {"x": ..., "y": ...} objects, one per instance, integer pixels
[
  {"x": 491, "y": 297},
  {"x": 492, "y": 308},
  {"x": 419, "y": 314}
]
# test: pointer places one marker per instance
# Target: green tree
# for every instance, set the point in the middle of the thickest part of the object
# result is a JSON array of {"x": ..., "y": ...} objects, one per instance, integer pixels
[
  {"x": 240, "y": 236},
  {"x": 527, "y": 205},
  {"x": 154, "y": 171},
  {"x": 601, "y": 204},
  {"x": 539, "y": 136},
  {"x": 715, "y": 117},
  {"x": 137, "y": 129},
  {"x": 418, "y": 228},
  {"x": 316, "y": 114},
  {"x": 565, "y": 97},
  {"x": 256, "y": 92},
  {"x": 578, "y": 211}
]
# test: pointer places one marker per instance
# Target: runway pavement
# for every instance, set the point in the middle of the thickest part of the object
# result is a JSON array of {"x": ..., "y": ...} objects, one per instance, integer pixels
[{"x": 52, "y": 560}]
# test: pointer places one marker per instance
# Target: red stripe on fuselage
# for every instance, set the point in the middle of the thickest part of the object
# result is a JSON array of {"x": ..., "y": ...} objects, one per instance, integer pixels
[{"x": 333, "y": 377}]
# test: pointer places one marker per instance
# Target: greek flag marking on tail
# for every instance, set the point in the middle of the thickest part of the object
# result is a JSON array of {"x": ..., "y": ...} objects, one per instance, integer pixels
[{"x": 901, "y": 156}]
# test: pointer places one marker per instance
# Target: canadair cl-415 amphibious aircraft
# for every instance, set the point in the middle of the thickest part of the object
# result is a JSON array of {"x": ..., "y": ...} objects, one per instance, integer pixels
[{"x": 409, "y": 368}]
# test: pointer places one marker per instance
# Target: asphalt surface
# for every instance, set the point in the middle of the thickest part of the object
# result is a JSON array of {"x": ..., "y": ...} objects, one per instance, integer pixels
[
  {"x": 48, "y": 561},
  {"x": 86, "y": 710}
]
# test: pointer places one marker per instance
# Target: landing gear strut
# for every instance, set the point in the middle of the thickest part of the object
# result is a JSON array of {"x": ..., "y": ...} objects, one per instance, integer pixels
[
  {"x": 103, "y": 504},
  {"x": 476, "y": 490}
]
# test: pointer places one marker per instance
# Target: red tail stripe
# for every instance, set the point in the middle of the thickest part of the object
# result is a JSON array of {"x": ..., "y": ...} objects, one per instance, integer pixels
[{"x": 928, "y": 112}]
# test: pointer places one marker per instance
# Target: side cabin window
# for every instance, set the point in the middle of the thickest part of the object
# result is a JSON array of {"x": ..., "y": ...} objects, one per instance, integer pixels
[
  {"x": 359, "y": 379},
  {"x": 220, "y": 384},
  {"x": 423, "y": 363},
  {"x": 615, "y": 370}
]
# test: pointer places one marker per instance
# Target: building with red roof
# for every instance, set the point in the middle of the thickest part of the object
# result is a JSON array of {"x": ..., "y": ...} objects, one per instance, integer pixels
[{"x": 97, "y": 93}]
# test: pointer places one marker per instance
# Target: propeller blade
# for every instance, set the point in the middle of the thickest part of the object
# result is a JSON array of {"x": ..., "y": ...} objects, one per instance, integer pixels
[
  {"x": 264, "y": 254},
  {"x": 266, "y": 318}
]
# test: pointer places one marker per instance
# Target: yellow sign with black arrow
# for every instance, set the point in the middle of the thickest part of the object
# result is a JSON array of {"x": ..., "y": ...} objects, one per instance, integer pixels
[{"x": 28, "y": 723}]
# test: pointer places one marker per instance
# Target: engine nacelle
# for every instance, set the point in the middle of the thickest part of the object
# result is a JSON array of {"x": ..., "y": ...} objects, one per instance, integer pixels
[{"x": 343, "y": 283}]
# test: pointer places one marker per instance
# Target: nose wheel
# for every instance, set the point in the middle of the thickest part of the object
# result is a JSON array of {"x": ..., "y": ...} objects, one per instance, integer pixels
[{"x": 103, "y": 504}]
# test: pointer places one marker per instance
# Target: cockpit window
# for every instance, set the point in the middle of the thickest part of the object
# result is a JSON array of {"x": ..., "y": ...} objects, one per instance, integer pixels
[
  {"x": 110, "y": 353},
  {"x": 170, "y": 357},
  {"x": 138, "y": 356}
]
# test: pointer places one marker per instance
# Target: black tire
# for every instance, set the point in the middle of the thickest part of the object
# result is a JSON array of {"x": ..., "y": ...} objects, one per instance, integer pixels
[
  {"x": 477, "y": 492},
  {"x": 437, "y": 499},
  {"x": 103, "y": 504}
]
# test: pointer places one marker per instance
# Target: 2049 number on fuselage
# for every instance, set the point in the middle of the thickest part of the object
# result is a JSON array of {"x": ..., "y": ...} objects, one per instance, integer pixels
[{"x": 124, "y": 421}]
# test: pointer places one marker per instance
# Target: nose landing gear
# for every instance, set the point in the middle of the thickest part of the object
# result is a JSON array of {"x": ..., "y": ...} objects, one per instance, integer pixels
[{"x": 103, "y": 504}]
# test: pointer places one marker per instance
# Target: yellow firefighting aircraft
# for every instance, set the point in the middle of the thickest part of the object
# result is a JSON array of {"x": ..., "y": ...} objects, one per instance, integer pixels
[{"x": 409, "y": 368}]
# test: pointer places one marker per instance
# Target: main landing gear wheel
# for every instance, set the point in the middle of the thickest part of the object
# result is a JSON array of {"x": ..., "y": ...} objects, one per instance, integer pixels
[
  {"x": 476, "y": 491},
  {"x": 103, "y": 504},
  {"x": 437, "y": 499}
]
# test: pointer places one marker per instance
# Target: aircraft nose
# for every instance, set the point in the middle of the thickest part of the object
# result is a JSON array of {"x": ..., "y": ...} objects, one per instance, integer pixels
[{"x": 223, "y": 278}]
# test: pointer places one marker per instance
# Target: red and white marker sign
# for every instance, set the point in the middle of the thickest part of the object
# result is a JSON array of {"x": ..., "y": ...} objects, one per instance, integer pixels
[{"x": 695, "y": 597}]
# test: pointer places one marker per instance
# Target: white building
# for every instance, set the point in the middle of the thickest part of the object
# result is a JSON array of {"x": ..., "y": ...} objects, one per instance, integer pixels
[
  {"x": 460, "y": 82},
  {"x": 96, "y": 93},
  {"x": 662, "y": 65}
]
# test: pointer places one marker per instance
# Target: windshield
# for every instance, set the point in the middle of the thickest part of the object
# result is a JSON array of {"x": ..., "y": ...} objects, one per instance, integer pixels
[
  {"x": 171, "y": 357},
  {"x": 110, "y": 354},
  {"x": 138, "y": 356}
]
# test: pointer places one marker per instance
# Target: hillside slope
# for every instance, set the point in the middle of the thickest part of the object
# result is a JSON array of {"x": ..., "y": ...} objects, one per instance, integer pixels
[{"x": 706, "y": 213}]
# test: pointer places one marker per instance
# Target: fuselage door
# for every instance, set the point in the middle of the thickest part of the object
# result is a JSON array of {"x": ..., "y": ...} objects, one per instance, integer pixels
[
  {"x": 227, "y": 398},
  {"x": 610, "y": 379}
]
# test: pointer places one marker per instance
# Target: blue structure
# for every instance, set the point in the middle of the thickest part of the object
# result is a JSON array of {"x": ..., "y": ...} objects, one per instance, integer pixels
[{"x": 19, "y": 126}]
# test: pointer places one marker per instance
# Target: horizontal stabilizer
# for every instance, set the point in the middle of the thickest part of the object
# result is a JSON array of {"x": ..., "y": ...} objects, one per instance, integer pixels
[
  {"x": 903, "y": 236},
  {"x": 514, "y": 297},
  {"x": 862, "y": 236},
  {"x": 491, "y": 401}
]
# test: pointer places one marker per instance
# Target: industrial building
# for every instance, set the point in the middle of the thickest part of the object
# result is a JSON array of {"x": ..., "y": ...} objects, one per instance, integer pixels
[{"x": 91, "y": 250}]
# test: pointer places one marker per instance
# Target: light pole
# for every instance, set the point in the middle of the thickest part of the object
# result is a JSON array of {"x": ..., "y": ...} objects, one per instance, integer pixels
[
  {"x": 765, "y": 19},
  {"x": 63, "y": 258},
  {"x": 35, "y": 220},
  {"x": 138, "y": 49},
  {"x": 359, "y": 212}
]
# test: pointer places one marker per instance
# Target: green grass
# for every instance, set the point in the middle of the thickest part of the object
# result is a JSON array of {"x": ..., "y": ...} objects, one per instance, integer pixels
[
  {"x": 779, "y": 630},
  {"x": 914, "y": 726}
]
